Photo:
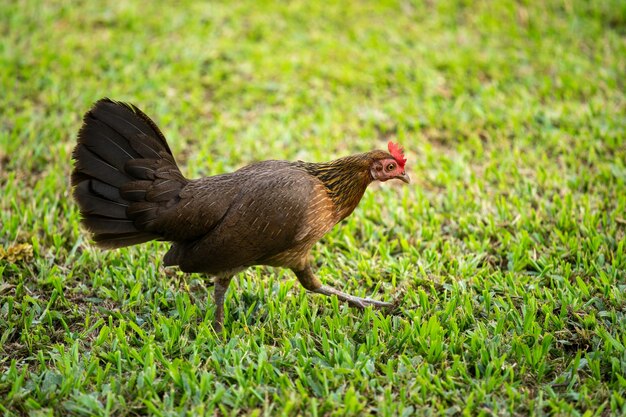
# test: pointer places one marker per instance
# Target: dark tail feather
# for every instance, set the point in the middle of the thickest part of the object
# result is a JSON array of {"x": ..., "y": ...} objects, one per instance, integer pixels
[{"x": 124, "y": 175}]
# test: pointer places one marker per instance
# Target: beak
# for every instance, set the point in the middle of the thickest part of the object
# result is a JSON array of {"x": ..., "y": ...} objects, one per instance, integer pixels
[{"x": 404, "y": 177}]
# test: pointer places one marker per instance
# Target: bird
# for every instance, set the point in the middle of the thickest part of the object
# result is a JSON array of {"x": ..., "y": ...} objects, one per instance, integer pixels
[{"x": 129, "y": 190}]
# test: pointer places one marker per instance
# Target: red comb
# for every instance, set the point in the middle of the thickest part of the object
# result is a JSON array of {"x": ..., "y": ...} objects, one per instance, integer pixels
[{"x": 397, "y": 152}]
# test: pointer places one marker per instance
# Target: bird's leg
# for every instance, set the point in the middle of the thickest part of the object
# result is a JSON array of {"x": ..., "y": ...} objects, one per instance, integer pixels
[
  {"x": 311, "y": 283},
  {"x": 221, "y": 285}
]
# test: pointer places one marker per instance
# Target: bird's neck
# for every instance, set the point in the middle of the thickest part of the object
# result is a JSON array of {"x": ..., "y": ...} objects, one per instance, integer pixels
[{"x": 345, "y": 180}]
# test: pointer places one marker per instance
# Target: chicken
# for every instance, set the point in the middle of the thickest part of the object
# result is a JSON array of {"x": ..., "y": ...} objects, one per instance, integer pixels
[{"x": 130, "y": 190}]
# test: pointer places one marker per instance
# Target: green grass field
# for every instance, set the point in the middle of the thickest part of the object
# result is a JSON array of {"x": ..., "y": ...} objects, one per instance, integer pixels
[{"x": 507, "y": 250}]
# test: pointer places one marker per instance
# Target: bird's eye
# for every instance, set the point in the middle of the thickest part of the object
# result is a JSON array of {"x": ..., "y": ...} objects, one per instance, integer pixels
[{"x": 390, "y": 167}]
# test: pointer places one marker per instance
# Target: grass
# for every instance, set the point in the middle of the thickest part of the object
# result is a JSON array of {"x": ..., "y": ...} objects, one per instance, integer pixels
[{"x": 507, "y": 250}]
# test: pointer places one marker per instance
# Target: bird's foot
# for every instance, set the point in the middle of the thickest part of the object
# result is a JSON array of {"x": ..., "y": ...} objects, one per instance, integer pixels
[{"x": 353, "y": 300}]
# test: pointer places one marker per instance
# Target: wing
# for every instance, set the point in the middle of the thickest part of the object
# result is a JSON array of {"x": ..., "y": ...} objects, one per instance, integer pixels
[
  {"x": 202, "y": 205},
  {"x": 267, "y": 216}
]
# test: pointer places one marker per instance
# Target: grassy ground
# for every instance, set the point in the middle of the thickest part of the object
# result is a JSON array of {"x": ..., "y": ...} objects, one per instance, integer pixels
[{"x": 507, "y": 249}]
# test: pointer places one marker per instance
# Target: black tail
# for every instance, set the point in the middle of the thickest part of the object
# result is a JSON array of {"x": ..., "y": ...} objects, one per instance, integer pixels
[{"x": 124, "y": 175}]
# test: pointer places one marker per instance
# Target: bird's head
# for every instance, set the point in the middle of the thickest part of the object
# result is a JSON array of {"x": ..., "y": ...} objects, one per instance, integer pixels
[{"x": 387, "y": 166}]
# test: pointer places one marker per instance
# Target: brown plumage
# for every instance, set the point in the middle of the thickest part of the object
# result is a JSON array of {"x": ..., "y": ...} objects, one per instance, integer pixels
[{"x": 130, "y": 190}]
